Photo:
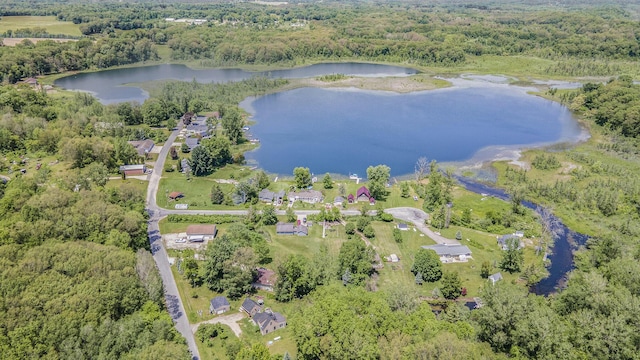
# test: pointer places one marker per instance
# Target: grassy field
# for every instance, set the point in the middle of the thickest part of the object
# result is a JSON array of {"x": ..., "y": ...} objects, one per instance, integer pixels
[
  {"x": 483, "y": 247},
  {"x": 49, "y": 23}
]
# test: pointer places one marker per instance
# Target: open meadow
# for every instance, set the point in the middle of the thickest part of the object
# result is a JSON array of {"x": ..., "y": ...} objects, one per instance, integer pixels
[{"x": 48, "y": 23}]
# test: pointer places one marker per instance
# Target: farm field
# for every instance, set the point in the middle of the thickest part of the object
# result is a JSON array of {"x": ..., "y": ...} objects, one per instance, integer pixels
[{"x": 49, "y": 23}]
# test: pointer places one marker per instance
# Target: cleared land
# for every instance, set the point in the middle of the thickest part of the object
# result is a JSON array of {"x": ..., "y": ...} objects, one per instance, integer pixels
[
  {"x": 49, "y": 23},
  {"x": 16, "y": 41}
]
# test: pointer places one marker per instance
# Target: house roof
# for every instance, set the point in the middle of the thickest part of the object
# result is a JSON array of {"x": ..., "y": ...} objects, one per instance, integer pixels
[
  {"x": 448, "y": 250},
  {"x": 266, "y": 195},
  {"x": 201, "y": 229},
  {"x": 266, "y": 277},
  {"x": 248, "y": 305},
  {"x": 291, "y": 228},
  {"x": 142, "y": 146},
  {"x": 305, "y": 194},
  {"x": 219, "y": 302},
  {"x": 192, "y": 143},
  {"x": 350, "y": 197},
  {"x": 495, "y": 277},
  {"x": 338, "y": 199},
  {"x": 363, "y": 191},
  {"x": 133, "y": 167},
  {"x": 263, "y": 319}
]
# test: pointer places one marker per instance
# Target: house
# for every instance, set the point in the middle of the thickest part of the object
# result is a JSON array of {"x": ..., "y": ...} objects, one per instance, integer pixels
[
  {"x": 338, "y": 201},
  {"x": 495, "y": 278},
  {"x": 269, "y": 321},
  {"x": 291, "y": 229},
  {"x": 351, "y": 199},
  {"x": 175, "y": 195},
  {"x": 265, "y": 195},
  {"x": 186, "y": 166},
  {"x": 219, "y": 305},
  {"x": 201, "y": 232},
  {"x": 450, "y": 253},
  {"x": 308, "y": 196},
  {"x": 504, "y": 240},
  {"x": 143, "y": 147},
  {"x": 363, "y": 194},
  {"x": 403, "y": 227},
  {"x": 266, "y": 279},
  {"x": 198, "y": 128},
  {"x": 250, "y": 307},
  {"x": 192, "y": 142},
  {"x": 133, "y": 169}
]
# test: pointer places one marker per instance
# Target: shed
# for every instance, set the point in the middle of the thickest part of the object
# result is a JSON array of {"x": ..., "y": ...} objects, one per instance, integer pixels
[
  {"x": 201, "y": 232},
  {"x": 219, "y": 305},
  {"x": 351, "y": 199},
  {"x": 403, "y": 227},
  {"x": 393, "y": 258},
  {"x": 495, "y": 278}
]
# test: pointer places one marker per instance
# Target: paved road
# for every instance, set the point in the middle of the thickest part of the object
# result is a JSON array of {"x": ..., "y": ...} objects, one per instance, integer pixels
[
  {"x": 171, "y": 294},
  {"x": 229, "y": 320}
]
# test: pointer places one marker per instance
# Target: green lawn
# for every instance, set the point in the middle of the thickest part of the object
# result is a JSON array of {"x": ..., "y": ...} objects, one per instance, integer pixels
[
  {"x": 483, "y": 247},
  {"x": 49, "y": 23},
  {"x": 281, "y": 246}
]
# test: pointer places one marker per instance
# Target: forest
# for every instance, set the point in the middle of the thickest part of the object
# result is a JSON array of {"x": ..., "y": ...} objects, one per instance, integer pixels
[{"x": 77, "y": 279}]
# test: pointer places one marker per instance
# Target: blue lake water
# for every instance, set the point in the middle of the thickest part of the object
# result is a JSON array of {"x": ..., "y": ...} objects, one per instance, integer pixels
[
  {"x": 345, "y": 131},
  {"x": 109, "y": 85}
]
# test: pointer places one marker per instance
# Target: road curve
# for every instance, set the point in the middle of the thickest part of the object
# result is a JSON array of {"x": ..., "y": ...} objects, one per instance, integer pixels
[{"x": 171, "y": 294}]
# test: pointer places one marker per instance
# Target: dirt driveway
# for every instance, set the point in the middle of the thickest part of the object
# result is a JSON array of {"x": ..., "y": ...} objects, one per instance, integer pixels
[{"x": 230, "y": 320}]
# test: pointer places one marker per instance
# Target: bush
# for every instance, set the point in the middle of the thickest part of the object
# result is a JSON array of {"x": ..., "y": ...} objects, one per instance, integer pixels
[
  {"x": 369, "y": 232},
  {"x": 397, "y": 235}
]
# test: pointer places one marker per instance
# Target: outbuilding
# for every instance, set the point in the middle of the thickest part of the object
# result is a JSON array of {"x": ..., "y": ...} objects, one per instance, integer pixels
[
  {"x": 201, "y": 232},
  {"x": 219, "y": 305}
]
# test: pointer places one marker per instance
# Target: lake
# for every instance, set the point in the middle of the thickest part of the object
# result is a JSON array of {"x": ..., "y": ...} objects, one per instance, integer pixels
[
  {"x": 345, "y": 131},
  {"x": 109, "y": 86}
]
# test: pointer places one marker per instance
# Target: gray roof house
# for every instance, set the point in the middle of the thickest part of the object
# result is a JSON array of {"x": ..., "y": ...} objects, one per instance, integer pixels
[
  {"x": 192, "y": 143},
  {"x": 450, "y": 253},
  {"x": 186, "y": 166},
  {"x": 503, "y": 241},
  {"x": 268, "y": 196},
  {"x": 250, "y": 307},
  {"x": 338, "y": 200},
  {"x": 495, "y": 278},
  {"x": 219, "y": 305},
  {"x": 291, "y": 229},
  {"x": 308, "y": 196},
  {"x": 269, "y": 321},
  {"x": 143, "y": 147}
]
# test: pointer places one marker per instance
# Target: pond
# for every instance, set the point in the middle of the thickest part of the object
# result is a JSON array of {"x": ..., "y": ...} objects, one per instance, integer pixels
[
  {"x": 109, "y": 85},
  {"x": 344, "y": 131}
]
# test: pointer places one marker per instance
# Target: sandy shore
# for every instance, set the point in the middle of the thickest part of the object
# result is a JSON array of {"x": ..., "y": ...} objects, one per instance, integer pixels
[{"x": 405, "y": 84}]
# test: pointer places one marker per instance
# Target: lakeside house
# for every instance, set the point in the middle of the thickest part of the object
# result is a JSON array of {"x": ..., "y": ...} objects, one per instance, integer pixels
[
  {"x": 308, "y": 196},
  {"x": 450, "y": 253},
  {"x": 271, "y": 197},
  {"x": 363, "y": 194}
]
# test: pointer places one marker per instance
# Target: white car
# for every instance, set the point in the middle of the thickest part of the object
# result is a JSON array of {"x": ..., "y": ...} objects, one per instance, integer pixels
[{"x": 181, "y": 240}]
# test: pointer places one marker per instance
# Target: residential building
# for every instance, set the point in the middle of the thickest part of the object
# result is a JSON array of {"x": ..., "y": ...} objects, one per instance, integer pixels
[
  {"x": 269, "y": 321},
  {"x": 451, "y": 253},
  {"x": 250, "y": 307},
  {"x": 219, "y": 305},
  {"x": 266, "y": 280},
  {"x": 143, "y": 147},
  {"x": 129, "y": 170},
  {"x": 201, "y": 232},
  {"x": 503, "y": 241},
  {"x": 308, "y": 196},
  {"x": 291, "y": 229}
]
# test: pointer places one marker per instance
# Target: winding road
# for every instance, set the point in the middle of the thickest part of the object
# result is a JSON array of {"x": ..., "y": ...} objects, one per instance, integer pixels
[{"x": 172, "y": 296}]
